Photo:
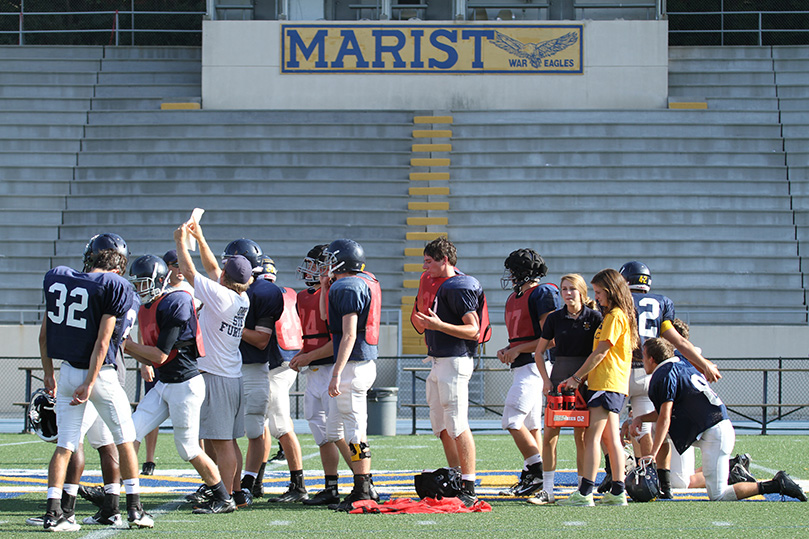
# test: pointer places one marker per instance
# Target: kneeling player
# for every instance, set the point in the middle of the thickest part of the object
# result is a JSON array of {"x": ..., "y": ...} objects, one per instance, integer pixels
[{"x": 689, "y": 412}]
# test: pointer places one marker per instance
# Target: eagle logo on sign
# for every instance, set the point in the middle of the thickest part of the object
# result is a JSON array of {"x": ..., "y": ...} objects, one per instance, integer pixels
[{"x": 534, "y": 52}]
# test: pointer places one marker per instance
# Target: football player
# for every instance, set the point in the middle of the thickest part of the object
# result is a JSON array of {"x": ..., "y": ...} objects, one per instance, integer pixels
[
  {"x": 221, "y": 320},
  {"x": 449, "y": 311},
  {"x": 271, "y": 323},
  {"x": 171, "y": 342},
  {"x": 655, "y": 314},
  {"x": 85, "y": 324},
  {"x": 688, "y": 412},
  {"x": 354, "y": 309},
  {"x": 316, "y": 360},
  {"x": 526, "y": 309}
]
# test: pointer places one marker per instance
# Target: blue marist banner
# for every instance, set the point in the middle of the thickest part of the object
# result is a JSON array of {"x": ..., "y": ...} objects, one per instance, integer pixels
[{"x": 421, "y": 48}]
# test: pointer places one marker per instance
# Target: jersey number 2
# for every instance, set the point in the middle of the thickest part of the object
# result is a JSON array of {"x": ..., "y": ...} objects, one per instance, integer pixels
[{"x": 74, "y": 310}]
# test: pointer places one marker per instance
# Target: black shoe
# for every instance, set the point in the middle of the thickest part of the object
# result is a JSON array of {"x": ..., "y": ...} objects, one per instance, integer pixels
[
  {"x": 666, "y": 494},
  {"x": 293, "y": 494},
  {"x": 138, "y": 518},
  {"x": 743, "y": 459},
  {"x": 214, "y": 507},
  {"x": 52, "y": 523},
  {"x": 348, "y": 503},
  {"x": 468, "y": 498},
  {"x": 148, "y": 468},
  {"x": 94, "y": 495},
  {"x": 202, "y": 495},
  {"x": 101, "y": 518},
  {"x": 373, "y": 493},
  {"x": 788, "y": 487},
  {"x": 258, "y": 489},
  {"x": 738, "y": 474},
  {"x": 530, "y": 482},
  {"x": 325, "y": 497},
  {"x": 606, "y": 484},
  {"x": 278, "y": 457},
  {"x": 242, "y": 498}
]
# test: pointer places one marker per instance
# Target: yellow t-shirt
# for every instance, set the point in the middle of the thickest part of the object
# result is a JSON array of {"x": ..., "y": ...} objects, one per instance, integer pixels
[{"x": 612, "y": 374}]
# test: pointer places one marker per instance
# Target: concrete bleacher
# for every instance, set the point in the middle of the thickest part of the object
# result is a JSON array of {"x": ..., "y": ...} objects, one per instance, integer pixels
[{"x": 716, "y": 202}]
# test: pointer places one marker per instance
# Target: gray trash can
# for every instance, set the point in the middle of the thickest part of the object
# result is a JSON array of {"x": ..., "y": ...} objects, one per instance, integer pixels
[{"x": 382, "y": 405}]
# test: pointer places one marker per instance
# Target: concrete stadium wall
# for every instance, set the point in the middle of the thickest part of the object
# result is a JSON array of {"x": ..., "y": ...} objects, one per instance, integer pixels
[{"x": 625, "y": 66}]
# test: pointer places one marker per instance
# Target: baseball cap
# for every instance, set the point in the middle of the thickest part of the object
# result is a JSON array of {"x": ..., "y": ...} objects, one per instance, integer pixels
[
  {"x": 239, "y": 269},
  {"x": 170, "y": 257}
]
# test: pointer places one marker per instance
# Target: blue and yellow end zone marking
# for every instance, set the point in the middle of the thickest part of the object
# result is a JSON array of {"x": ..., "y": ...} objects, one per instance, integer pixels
[{"x": 396, "y": 484}]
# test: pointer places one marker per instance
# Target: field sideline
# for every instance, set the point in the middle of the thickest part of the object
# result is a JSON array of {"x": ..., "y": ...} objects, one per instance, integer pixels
[{"x": 24, "y": 458}]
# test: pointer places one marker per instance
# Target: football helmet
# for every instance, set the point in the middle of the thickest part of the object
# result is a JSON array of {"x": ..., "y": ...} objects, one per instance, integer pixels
[
  {"x": 309, "y": 270},
  {"x": 248, "y": 249},
  {"x": 522, "y": 266},
  {"x": 149, "y": 275},
  {"x": 441, "y": 483},
  {"x": 42, "y": 415},
  {"x": 268, "y": 270},
  {"x": 103, "y": 242},
  {"x": 638, "y": 276},
  {"x": 343, "y": 256},
  {"x": 642, "y": 483}
]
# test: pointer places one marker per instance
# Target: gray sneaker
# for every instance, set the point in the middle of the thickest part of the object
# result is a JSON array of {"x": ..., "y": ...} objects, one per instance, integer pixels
[
  {"x": 62, "y": 523},
  {"x": 542, "y": 498}
]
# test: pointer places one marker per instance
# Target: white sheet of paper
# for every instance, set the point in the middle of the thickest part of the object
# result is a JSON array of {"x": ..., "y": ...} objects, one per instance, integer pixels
[{"x": 190, "y": 241}]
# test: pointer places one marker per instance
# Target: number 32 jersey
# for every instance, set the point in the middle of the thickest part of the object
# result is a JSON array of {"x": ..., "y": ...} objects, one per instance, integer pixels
[{"x": 75, "y": 303}]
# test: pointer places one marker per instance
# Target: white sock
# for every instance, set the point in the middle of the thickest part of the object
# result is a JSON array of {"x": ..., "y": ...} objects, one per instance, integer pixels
[
  {"x": 71, "y": 490},
  {"x": 548, "y": 481},
  {"x": 468, "y": 477},
  {"x": 113, "y": 488},
  {"x": 54, "y": 493},
  {"x": 536, "y": 459},
  {"x": 132, "y": 486}
]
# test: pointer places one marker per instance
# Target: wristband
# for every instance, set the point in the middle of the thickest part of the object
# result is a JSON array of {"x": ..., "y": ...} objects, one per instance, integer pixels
[{"x": 578, "y": 380}]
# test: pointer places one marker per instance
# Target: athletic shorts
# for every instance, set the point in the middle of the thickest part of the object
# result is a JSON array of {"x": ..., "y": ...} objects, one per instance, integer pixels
[
  {"x": 256, "y": 381},
  {"x": 222, "y": 412},
  {"x": 609, "y": 400}
]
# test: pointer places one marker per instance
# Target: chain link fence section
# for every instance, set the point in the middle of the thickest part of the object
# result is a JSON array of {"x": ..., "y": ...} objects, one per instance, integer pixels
[{"x": 96, "y": 22}]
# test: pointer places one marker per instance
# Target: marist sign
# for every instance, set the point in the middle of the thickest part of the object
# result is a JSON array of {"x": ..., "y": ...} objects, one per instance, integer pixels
[{"x": 420, "y": 48}]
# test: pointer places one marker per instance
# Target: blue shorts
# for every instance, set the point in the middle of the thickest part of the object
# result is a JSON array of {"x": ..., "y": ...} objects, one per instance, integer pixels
[{"x": 609, "y": 400}]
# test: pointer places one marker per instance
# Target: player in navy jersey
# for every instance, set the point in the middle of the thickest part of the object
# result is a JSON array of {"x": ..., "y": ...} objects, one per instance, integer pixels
[
  {"x": 354, "y": 308},
  {"x": 526, "y": 310},
  {"x": 449, "y": 313},
  {"x": 84, "y": 327},
  {"x": 688, "y": 412},
  {"x": 170, "y": 342},
  {"x": 655, "y": 314},
  {"x": 267, "y": 378}
]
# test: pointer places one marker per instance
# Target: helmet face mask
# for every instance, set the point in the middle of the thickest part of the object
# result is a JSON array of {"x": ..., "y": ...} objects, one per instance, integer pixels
[
  {"x": 247, "y": 248},
  {"x": 343, "y": 256},
  {"x": 309, "y": 270},
  {"x": 637, "y": 276},
  {"x": 42, "y": 415},
  {"x": 642, "y": 483},
  {"x": 522, "y": 266},
  {"x": 149, "y": 275}
]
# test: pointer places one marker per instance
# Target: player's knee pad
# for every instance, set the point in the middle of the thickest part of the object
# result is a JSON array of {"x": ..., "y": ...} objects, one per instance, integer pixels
[
  {"x": 513, "y": 419},
  {"x": 279, "y": 426},
  {"x": 187, "y": 449},
  {"x": 360, "y": 451}
]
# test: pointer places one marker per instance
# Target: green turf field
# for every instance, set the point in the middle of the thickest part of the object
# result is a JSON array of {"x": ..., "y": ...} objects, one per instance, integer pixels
[{"x": 509, "y": 517}]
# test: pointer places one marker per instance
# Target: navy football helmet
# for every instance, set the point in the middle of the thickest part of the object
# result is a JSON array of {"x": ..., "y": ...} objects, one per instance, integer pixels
[
  {"x": 248, "y": 249},
  {"x": 42, "y": 415},
  {"x": 343, "y": 256},
  {"x": 149, "y": 275},
  {"x": 522, "y": 266},
  {"x": 103, "y": 242},
  {"x": 637, "y": 275},
  {"x": 642, "y": 483},
  {"x": 268, "y": 270},
  {"x": 309, "y": 270}
]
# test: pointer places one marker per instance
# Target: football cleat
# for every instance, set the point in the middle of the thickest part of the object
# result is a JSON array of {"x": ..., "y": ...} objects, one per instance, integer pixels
[
  {"x": 324, "y": 497},
  {"x": 94, "y": 495},
  {"x": 613, "y": 499},
  {"x": 148, "y": 468},
  {"x": 202, "y": 495},
  {"x": 258, "y": 489},
  {"x": 665, "y": 494},
  {"x": 738, "y": 474},
  {"x": 788, "y": 487},
  {"x": 348, "y": 503},
  {"x": 293, "y": 494},
  {"x": 214, "y": 507},
  {"x": 278, "y": 457},
  {"x": 35, "y": 521},
  {"x": 606, "y": 484},
  {"x": 542, "y": 498},
  {"x": 242, "y": 498},
  {"x": 577, "y": 500},
  {"x": 530, "y": 484},
  {"x": 52, "y": 523},
  {"x": 138, "y": 518},
  {"x": 100, "y": 519},
  {"x": 468, "y": 498}
]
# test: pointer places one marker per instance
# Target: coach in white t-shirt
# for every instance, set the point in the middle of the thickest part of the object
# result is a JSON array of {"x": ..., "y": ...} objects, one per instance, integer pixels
[{"x": 221, "y": 320}]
